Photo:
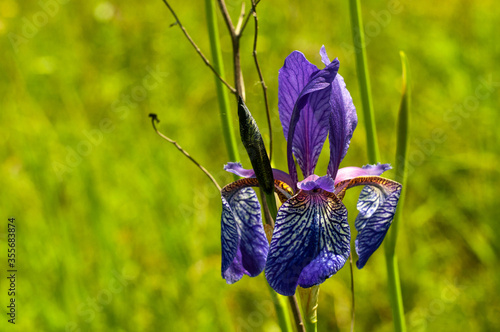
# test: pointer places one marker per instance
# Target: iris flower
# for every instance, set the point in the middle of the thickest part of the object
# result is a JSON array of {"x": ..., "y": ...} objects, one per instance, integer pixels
[{"x": 311, "y": 237}]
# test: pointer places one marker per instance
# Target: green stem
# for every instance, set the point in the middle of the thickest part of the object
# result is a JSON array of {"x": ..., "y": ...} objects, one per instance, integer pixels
[
  {"x": 396, "y": 297},
  {"x": 271, "y": 203},
  {"x": 309, "y": 303},
  {"x": 310, "y": 326},
  {"x": 297, "y": 316},
  {"x": 364, "y": 80},
  {"x": 373, "y": 154},
  {"x": 281, "y": 310},
  {"x": 225, "y": 114}
]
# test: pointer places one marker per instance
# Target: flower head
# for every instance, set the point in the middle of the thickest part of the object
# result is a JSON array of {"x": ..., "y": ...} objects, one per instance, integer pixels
[{"x": 311, "y": 238}]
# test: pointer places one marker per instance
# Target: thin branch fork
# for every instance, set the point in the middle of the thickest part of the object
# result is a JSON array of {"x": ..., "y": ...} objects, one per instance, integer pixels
[
  {"x": 235, "y": 33},
  {"x": 200, "y": 53}
]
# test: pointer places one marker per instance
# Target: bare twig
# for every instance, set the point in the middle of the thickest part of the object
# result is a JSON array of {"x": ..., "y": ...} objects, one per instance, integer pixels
[
  {"x": 154, "y": 118},
  {"x": 250, "y": 14},
  {"x": 299, "y": 323},
  {"x": 352, "y": 292},
  {"x": 240, "y": 19},
  {"x": 203, "y": 57},
  {"x": 261, "y": 77},
  {"x": 225, "y": 15}
]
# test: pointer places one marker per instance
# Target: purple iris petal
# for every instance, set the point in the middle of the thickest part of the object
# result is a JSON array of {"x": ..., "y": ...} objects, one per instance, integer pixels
[
  {"x": 324, "y": 57},
  {"x": 237, "y": 169},
  {"x": 342, "y": 124},
  {"x": 346, "y": 173},
  {"x": 312, "y": 126},
  {"x": 377, "y": 205},
  {"x": 308, "y": 124},
  {"x": 315, "y": 182},
  {"x": 244, "y": 243},
  {"x": 310, "y": 241},
  {"x": 292, "y": 78}
]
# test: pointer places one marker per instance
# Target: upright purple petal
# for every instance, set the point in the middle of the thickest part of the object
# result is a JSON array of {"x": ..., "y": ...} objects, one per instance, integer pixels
[
  {"x": 324, "y": 57},
  {"x": 343, "y": 121},
  {"x": 244, "y": 243},
  {"x": 308, "y": 126},
  {"x": 312, "y": 125},
  {"x": 310, "y": 242},
  {"x": 292, "y": 78}
]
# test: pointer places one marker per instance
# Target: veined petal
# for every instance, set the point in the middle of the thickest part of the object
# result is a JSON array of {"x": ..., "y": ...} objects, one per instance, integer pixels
[
  {"x": 312, "y": 123},
  {"x": 308, "y": 126},
  {"x": 244, "y": 243},
  {"x": 292, "y": 78},
  {"x": 232, "y": 269},
  {"x": 343, "y": 121},
  {"x": 377, "y": 205},
  {"x": 237, "y": 169},
  {"x": 310, "y": 242},
  {"x": 347, "y": 173}
]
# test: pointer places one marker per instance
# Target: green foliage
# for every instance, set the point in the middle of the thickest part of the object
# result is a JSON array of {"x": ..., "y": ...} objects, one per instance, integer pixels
[{"x": 118, "y": 232}]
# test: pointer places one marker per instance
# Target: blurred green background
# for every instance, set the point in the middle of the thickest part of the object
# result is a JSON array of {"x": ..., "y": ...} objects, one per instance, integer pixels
[{"x": 116, "y": 231}]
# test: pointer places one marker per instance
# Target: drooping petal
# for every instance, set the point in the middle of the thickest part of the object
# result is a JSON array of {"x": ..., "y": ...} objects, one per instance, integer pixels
[
  {"x": 232, "y": 269},
  {"x": 244, "y": 243},
  {"x": 343, "y": 121},
  {"x": 347, "y": 173},
  {"x": 377, "y": 205},
  {"x": 308, "y": 126},
  {"x": 237, "y": 169},
  {"x": 310, "y": 242}
]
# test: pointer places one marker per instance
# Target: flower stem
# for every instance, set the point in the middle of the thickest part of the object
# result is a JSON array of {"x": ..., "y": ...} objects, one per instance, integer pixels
[
  {"x": 395, "y": 295},
  {"x": 353, "y": 304},
  {"x": 225, "y": 114},
  {"x": 309, "y": 303},
  {"x": 310, "y": 326},
  {"x": 364, "y": 80},
  {"x": 396, "y": 298},
  {"x": 294, "y": 305},
  {"x": 281, "y": 312}
]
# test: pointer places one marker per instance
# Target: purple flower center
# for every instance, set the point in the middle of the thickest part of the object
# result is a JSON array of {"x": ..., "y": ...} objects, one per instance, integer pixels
[{"x": 314, "y": 183}]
